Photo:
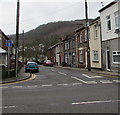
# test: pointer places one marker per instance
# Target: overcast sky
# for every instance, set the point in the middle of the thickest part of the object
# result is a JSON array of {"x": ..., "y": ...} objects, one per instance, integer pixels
[{"x": 36, "y": 12}]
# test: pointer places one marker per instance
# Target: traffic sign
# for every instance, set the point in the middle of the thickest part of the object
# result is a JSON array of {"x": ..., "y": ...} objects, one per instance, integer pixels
[{"x": 8, "y": 43}]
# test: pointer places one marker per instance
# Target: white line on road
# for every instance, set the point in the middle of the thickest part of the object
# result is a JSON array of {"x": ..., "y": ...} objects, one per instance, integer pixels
[
  {"x": 92, "y": 76},
  {"x": 76, "y": 84},
  {"x": 117, "y": 81},
  {"x": 3, "y": 87},
  {"x": 62, "y": 73},
  {"x": 5, "y": 107},
  {"x": 63, "y": 84},
  {"x": 78, "y": 79},
  {"x": 47, "y": 85},
  {"x": 17, "y": 86},
  {"x": 52, "y": 70},
  {"x": 86, "y": 82},
  {"x": 94, "y": 102},
  {"x": 105, "y": 81}
]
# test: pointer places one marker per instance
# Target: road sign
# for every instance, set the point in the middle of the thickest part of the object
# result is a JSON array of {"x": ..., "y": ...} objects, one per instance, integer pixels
[{"x": 8, "y": 43}]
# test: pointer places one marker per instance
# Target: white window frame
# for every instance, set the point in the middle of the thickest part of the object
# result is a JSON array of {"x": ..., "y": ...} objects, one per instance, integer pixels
[
  {"x": 66, "y": 58},
  {"x": 108, "y": 21},
  {"x": 81, "y": 37},
  {"x": 117, "y": 19},
  {"x": 115, "y": 53},
  {"x": 81, "y": 55},
  {"x": 95, "y": 53}
]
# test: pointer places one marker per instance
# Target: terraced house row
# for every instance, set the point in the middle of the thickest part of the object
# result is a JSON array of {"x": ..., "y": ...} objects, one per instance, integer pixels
[{"x": 104, "y": 39}]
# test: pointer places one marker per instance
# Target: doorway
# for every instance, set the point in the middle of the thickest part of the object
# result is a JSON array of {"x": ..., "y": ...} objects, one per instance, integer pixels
[{"x": 108, "y": 59}]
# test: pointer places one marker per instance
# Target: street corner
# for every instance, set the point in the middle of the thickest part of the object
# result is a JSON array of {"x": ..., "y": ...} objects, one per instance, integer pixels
[{"x": 19, "y": 80}]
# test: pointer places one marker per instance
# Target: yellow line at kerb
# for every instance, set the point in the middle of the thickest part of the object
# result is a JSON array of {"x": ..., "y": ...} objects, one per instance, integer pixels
[{"x": 33, "y": 76}]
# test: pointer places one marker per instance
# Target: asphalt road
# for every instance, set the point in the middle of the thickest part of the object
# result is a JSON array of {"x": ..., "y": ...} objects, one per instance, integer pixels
[{"x": 58, "y": 90}]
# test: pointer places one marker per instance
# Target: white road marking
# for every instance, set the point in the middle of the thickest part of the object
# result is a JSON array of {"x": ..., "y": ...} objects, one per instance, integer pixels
[
  {"x": 52, "y": 70},
  {"x": 91, "y": 82},
  {"x": 63, "y": 84},
  {"x": 76, "y": 84},
  {"x": 17, "y": 86},
  {"x": 47, "y": 85},
  {"x": 86, "y": 82},
  {"x": 94, "y": 102},
  {"x": 105, "y": 81},
  {"x": 3, "y": 87},
  {"x": 92, "y": 76},
  {"x": 117, "y": 81},
  {"x": 78, "y": 79},
  {"x": 5, "y": 107},
  {"x": 62, "y": 73},
  {"x": 32, "y": 86}
]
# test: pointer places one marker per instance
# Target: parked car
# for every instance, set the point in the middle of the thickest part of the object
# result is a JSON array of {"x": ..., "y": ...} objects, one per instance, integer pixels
[
  {"x": 38, "y": 62},
  {"x": 31, "y": 67},
  {"x": 48, "y": 63}
]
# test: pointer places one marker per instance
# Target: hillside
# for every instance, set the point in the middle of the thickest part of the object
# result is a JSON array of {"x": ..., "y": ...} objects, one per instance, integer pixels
[{"x": 49, "y": 34}]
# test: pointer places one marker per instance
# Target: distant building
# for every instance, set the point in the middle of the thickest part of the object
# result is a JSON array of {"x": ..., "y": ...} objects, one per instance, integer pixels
[
  {"x": 55, "y": 54},
  {"x": 110, "y": 25},
  {"x": 70, "y": 50}
]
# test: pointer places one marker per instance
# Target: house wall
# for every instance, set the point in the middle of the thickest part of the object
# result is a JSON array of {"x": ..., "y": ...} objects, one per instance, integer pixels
[
  {"x": 110, "y": 39},
  {"x": 111, "y": 45},
  {"x": 95, "y": 45},
  {"x": 82, "y": 46},
  {"x": 109, "y": 11}
]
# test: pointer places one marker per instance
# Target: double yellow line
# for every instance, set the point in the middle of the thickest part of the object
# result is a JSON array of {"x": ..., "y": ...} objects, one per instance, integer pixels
[{"x": 33, "y": 76}]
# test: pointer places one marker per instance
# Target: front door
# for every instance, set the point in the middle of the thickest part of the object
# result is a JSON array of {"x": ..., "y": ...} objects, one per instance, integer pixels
[{"x": 108, "y": 59}]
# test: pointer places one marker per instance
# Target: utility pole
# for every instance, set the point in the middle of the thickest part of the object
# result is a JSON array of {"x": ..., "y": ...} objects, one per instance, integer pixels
[
  {"x": 87, "y": 35},
  {"x": 23, "y": 48},
  {"x": 17, "y": 38}
]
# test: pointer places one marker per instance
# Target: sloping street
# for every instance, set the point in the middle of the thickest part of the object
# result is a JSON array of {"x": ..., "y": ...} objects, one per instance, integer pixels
[{"x": 59, "y": 90}]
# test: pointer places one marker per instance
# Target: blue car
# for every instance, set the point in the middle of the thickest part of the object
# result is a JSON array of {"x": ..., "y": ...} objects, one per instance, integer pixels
[{"x": 31, "y": 67}]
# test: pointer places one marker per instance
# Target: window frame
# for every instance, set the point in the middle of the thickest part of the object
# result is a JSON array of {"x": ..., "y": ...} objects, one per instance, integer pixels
[
  {"x": 117, "y": 18},
  {"x": 95, "y": 53},
  {"x": 81, "y": 55},
  {"x": 115, "y": 54},
  {"x": 109, "y": 24},
  {"x": 95, "y": 31}
]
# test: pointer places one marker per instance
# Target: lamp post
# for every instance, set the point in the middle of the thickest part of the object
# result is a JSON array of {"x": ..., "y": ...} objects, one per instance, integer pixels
[
  {"x": 87, "y": 35},
  {"x": 17, "y": 37}
]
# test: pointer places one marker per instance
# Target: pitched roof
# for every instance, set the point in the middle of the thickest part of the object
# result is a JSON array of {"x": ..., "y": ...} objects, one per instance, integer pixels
[{"x": 107, "y": 6}]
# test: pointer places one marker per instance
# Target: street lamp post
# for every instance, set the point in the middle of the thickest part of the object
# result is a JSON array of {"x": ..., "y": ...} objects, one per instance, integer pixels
[
  {"x": 17, "y": 37},
  {"x": 87, "y": 35}
]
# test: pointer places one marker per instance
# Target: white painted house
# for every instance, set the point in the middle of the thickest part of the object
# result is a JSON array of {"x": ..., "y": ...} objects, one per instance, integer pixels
[{"x": 110, "y": 25}]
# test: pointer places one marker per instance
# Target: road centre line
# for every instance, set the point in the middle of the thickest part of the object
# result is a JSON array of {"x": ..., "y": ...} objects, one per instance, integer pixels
[
  {"x": 48, "y": 85},
  {"x": 5, "y": 107},
  {"x": 105, "y": 81},
  {"x": 65, "y": 84},
  {"x": 62, "y": 73},
  {"x": 95, "y": 102},
  {"x": 91, "y": 77}
]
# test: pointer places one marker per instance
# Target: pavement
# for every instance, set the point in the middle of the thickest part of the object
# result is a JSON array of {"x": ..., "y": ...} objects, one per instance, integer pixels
[{"x": 23, "y": 76}]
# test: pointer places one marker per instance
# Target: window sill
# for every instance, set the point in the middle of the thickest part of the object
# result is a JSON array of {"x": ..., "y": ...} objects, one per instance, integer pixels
[
  {"x": 95, "y": 61},
  {"x": 116, "y": 62}
]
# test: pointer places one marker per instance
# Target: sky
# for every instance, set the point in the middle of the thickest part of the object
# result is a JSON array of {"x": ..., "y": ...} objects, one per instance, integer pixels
[{"x": 37, "y": 12}]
